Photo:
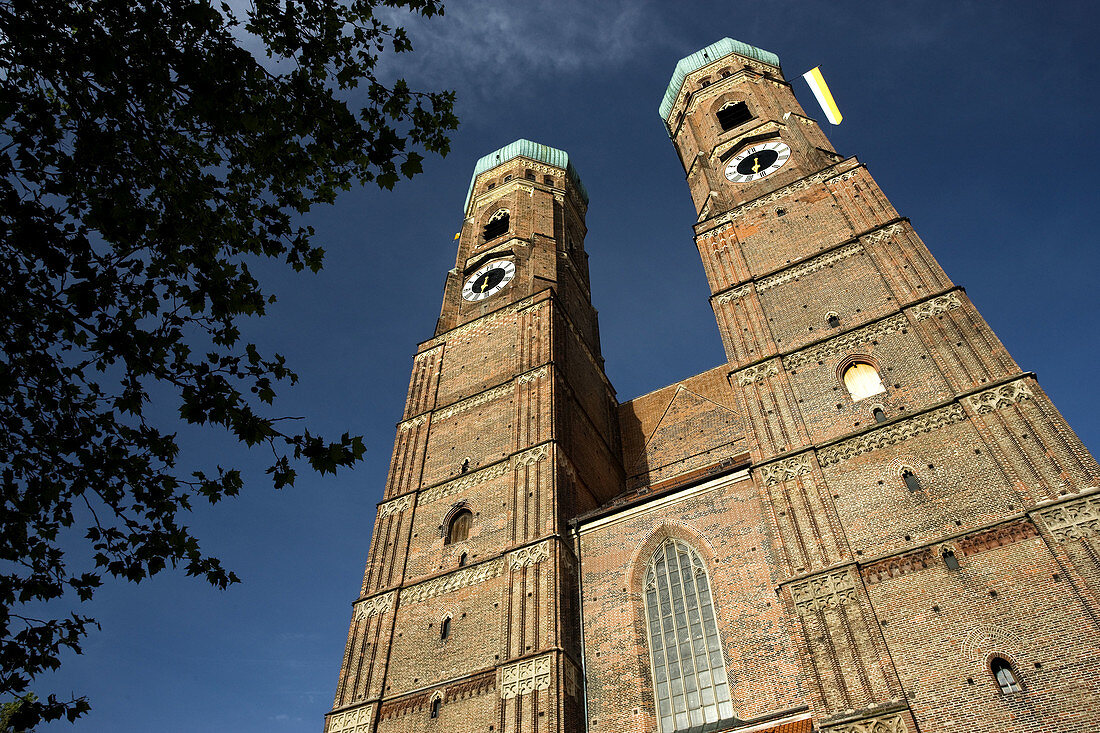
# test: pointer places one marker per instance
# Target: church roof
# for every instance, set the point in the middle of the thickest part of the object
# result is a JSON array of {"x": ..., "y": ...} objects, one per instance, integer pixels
[
  {"x": 534, "y": 151},
  {"x": 705, "y": 56}
]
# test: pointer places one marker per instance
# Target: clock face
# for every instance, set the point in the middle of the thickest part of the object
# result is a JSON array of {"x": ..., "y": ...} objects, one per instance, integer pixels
[
  {"x": 755, "y": 162},
  {"x": 489, "y": 279}
]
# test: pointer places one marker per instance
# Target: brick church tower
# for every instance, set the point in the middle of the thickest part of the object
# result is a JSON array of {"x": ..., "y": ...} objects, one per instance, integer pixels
[{"x": 868, "y": 520}]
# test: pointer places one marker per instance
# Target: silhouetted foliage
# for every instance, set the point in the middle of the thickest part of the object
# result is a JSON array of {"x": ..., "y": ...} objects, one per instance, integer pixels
[{"x": 148, "y": 156}]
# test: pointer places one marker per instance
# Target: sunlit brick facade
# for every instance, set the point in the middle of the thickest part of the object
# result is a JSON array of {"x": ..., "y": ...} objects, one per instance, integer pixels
[{"x": 869, "y": 520}]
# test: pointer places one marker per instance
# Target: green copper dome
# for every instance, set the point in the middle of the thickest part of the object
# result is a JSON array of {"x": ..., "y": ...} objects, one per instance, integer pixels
[
  {"x": 705, "y": 56},
  {"x": 534, "y": 151}
]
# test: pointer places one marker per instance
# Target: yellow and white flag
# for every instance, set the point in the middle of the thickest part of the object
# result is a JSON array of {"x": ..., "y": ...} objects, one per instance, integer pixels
[{"x": 824, "y": 96}]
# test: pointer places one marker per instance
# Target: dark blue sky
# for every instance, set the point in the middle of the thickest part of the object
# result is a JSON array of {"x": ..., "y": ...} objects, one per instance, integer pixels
[{"x": 977, "y": 119}]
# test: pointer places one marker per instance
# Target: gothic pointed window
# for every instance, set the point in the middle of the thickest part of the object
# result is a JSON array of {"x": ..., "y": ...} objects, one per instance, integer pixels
[
  {"x": 445, "y": 629},
  {"x": 458, "y": 529},
  {"x": 1005, "y": 676},
  {"x": 497, "y": 225},
  {"x": 862, "y": 380},
  {"x": 689, "y": 671},
  {"x": 437, "y": 703}
]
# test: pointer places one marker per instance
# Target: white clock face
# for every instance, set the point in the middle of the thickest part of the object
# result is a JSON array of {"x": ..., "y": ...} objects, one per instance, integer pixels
[
  {"x": 755, "y": 162},
  {"x": 489, "y": 279}
]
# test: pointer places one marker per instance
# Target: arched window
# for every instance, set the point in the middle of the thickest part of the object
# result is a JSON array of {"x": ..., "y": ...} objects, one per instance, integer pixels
[
  {"x": 497, "y": 225},
  {"x": 833, "y": 320},
  {"x": 880, "y": 414},
  {"x": 462, "y": 560},
  {"x": 459, "y": 527},
  {"x": 437, "y": 703},
  {"x": 445, "y": 629},
  {"x": 950, "y": 560},
  {"x": 689, "y": 672},
  {"x": 862, "y": 380},
  {"x": 911, "y": 481},
  {"x": 733, "y": 114},
  {"x": 1005, "y": 675}
]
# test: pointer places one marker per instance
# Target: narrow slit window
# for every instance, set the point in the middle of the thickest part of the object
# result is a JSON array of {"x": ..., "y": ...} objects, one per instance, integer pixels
[
  {"x": 862, "y": 381},
  {"x": 466, "y": 465},
  {"x": 462, "y": 559},
  {"x": 445, "y": 629},
  {"x": 459, "y": 527},
  {"x": 689, "y": 672},
  {"x": 1005, "y": 676},
  {"x": 497, "y": 225},
  {"x": 436, "y": 705},
  {"x": 733, "y": 114},
  {"x": 911, "y": 481}
]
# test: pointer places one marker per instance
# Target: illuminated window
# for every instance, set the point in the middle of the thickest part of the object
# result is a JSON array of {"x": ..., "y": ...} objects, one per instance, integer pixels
[
  {"x": 497, "y": 225},
  {"x": 459, "y": 527},
  {"x": 689, "y": 672},
  {"x": 1005, "y": 676},
  {"x": 862, "y": 381}
]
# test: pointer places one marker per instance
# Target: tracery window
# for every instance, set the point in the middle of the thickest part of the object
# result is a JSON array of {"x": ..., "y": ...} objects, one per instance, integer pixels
[
  {"x": 689, "y": 672},
  {"x": 862, "y": 380}
]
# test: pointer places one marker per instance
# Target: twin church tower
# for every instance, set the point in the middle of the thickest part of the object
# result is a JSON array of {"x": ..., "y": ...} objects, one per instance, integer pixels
[{"x": 869, "y": 520}]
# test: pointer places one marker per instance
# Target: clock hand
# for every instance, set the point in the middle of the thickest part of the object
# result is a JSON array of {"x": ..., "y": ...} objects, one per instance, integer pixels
[
  {"x": 484, "y": 284},
  {"x": 756, "y": 165}
]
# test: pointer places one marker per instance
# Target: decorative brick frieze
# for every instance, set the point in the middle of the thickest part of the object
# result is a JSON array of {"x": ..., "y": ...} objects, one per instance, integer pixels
[
  {"x": 892, "y": 567},
  {"x": 1077, "y": 520},
  {"x": 999, "y": 397},
  {"x": 465, "y": 482},
  {"x": 995, "y": 537},
  {"x": 472, "y": 687},
  {"x": 883, "y": 724},
  {"x": 531, "y": 455},
  {"x": 791, "y": 468},
  {"x": 479, "y": 399},
  {"x": 404, "y": 705},
  {"x": 731, "y": 295},
  {"x": 891, "y": 435},
  {"x": 936, "y": 306},
  {"x": 411, "y": 423},
  {"x": 758, "y": 372},
  {"x": 530, "y": 555},
  {"x": 374, "y": 606},
  {"x": 831, "y": 590},
  {"x": 532, "y": 375},
  {"x": 526, "y": 676},
  {"x": 846, "y": 342},
  {"x": 811, "y": 265},
  {"x": 393, "y": 507},
  {"x": 885, "y": 233},
  {"x": 453, "y": 581},
  {"x": 355, "y": 720}
]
